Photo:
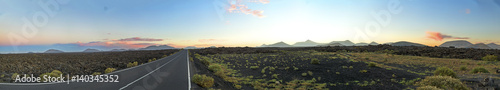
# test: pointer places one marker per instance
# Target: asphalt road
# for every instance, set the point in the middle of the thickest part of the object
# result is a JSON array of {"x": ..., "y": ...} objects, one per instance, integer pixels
[{"x": 169, "y": 73}]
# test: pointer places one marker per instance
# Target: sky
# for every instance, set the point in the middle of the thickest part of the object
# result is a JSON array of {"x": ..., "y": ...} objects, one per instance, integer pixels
[{"x": 75, "y": 25}]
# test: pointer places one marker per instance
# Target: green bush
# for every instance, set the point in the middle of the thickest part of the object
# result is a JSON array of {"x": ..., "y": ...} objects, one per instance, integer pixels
[
  {"x": 56, "y": 72},
  {"x": 203, "y": 80},
  {"x": 444, "y": 71},
  {"x": 490, "y": 58},
  {"x": 96, "y": 73},
  {"x": 463, "y": 68},
  {"x": 214, "y": 67},
  {"x": 479, "y": 70},
  {"x": 310, "y": 73},
  {"x": 428, "y": 88},
  {"x": 205, "y": 61},
  {"x": 363, "y": 71},
  {"x": 237, "y": 86},
  {"x": 372, "y": 64},
  {"x": 314, "y": 61},
  {"x": 108, "y": 70},
  {"x": 254, "y": 67},
  {"x": 14, "y": 76},
  {"x": 304, "y": 74},
  {"x": 275, "y": 76},
  {"x": 130, "y": 64},
  {"x": 443, "y": 82}
]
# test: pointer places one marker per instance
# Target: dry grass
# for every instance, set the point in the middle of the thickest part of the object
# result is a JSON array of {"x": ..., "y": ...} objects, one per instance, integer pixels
[{"x": 454, "y": 64}]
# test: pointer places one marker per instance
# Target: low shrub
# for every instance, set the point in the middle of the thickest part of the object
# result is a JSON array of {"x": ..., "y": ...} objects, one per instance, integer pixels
[
  {"x": 237, "y": 86},
  {"x": 310, "y": 73},
  {"x": 372, "y": 64},
  {"x": 254, "y": 67},
  {"x": 363, "y": 71},
  {"x": 275, "y": 76},
  {"x": 214, "y": 67},
  {"x": 205, "y": 61},
  {"x": 444, "y": 71},
  {"x": 490, "y": 58},
  {"x": 108, "y": 70},
  {"x": 463, "y": 68},
  {"x": 479, "y": 70},
  {"x": 314, "y": 61},
  {"x": 203, "y": 80},
  {"x": 132, "y": 64},
  {"x": 96, "y": 73},
  {"x": 443, "y": 82},
  {"x": 428, "y": 88},
  {"x": 14, "y": 76}
]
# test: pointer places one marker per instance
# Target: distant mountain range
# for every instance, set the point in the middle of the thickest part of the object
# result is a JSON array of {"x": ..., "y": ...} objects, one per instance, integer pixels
[
  {"x": 467, "y": 44},
  {"x": 91, "y": 50},
  {"x": 306, "y": 43},
  {"x": 53, "y": 51},
  {"x": 310, "y": 43},
  {"x": 456, "y": 44},
  {"x": 406, "y": 43},
  {"x": 160, "y": 47},
  {"x": 278, "y": 44}
]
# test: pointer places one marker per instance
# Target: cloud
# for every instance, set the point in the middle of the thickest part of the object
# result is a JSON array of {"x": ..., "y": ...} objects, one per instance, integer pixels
[
  {"x": 467, "y": 11},
  {"x": 264, "y": 1},
  {"x": 139, "y": 39},
  {"x": 241, "y": 7},
  {"x": 110, "y": 44},
  {"x": 210, "y": 40},
  {"x": 439, "y": 37},
  {"x": 121, "y": 43}
]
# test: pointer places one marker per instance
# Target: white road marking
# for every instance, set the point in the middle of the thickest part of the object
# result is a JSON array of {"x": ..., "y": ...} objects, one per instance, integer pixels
[{"x": 189, "y": 75}]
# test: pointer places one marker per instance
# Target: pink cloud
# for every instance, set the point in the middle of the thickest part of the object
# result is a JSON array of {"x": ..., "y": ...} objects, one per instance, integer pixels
[
  {"x": 121, "y": 43},
  {"x": 239, "y": 7},
  {"x": 439, "y": 37},
  {"x": 264, "y": 1},
  {"x": 139, "y": 39},
  {"x": 467, "y": 11}
]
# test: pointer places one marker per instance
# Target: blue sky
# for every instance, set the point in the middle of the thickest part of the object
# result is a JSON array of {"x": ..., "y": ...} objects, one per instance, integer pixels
[{"x": 101, "y": 24}]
